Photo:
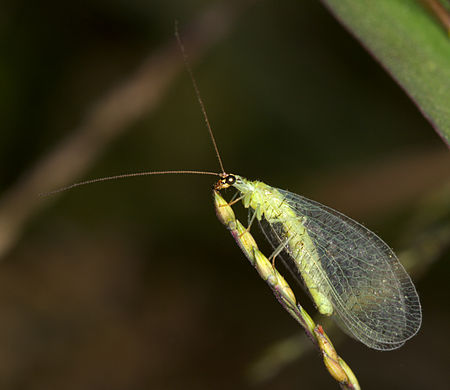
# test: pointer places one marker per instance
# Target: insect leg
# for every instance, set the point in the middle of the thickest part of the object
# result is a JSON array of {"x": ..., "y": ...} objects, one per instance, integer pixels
[
  {"x": 278, "y": 250},
  {"x": 234, "y": 199},
  {"x": 252, "y": 215}
]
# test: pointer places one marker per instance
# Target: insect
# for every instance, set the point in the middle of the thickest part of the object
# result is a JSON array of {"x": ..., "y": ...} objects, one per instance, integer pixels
[{"x": 349, "y": 272}]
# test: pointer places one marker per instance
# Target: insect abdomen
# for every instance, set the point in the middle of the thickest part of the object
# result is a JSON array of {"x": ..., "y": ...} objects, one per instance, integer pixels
[{"x": 286, "y": 228}]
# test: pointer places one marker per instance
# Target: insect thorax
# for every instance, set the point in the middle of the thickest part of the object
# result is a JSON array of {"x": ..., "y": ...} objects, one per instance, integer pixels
[{"x": 263, "y": 199}]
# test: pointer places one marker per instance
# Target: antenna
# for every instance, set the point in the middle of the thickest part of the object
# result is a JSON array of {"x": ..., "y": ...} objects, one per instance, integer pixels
[
  {"x": 149, "y": 173},
  {"x": 125, "y": 175},
  {"x": 197, "y": 92}
]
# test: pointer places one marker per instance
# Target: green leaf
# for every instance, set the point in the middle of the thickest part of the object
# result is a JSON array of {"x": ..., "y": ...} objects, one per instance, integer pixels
[{"x": 412, "y": 46}]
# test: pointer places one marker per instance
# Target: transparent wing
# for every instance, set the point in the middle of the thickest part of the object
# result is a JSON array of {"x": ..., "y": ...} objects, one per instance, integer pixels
[{"x": 373, "y": 298}]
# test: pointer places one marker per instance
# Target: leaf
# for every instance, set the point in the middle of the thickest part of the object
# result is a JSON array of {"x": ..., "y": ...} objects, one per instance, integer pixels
[{"x": 410, "y": 44}]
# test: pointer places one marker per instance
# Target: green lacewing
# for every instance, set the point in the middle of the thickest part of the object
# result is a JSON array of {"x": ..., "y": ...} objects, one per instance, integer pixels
[{"x": 350, "y": 273}]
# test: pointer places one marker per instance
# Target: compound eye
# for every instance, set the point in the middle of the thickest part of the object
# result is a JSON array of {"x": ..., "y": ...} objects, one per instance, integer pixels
[{"x": 230, "y": 180}]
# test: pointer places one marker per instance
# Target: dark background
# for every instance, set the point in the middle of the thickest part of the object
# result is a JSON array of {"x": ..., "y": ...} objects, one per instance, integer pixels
[{"x": 135, "y": 284}]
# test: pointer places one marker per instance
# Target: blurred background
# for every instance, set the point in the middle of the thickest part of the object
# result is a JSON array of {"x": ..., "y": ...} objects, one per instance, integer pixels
[{"x": 135, "y": 284}]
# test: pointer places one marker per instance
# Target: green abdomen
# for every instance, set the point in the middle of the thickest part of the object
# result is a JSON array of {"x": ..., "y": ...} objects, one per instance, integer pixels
[{"x": 282, "y": 225}]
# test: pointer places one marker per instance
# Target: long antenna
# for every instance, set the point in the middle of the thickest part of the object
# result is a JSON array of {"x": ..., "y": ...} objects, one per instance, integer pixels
[
  {"x": 197, "y": 92},
  {"x": 148, "y": 173},
  {"x": 125, "y": 175}
]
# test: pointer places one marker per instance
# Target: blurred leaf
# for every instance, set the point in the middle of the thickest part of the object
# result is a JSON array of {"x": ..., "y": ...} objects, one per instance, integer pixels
[{"x": 410, "y": 44}]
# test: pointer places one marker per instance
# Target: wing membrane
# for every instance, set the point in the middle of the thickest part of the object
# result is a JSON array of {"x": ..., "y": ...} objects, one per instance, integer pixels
[{"x": 373, "y": 297}]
